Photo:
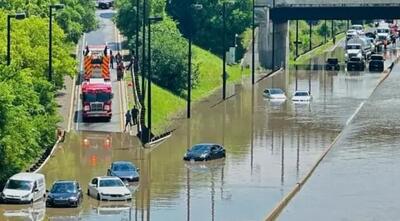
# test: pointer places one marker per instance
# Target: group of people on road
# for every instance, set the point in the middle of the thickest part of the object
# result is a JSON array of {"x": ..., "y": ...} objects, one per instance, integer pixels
[{"x": 131, "y": 117}]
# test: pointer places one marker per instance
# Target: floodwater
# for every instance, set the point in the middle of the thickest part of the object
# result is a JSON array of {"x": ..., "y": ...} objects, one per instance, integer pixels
[
  {"x": 357, "y": 180},
  {"x": 270, "y": 146}
]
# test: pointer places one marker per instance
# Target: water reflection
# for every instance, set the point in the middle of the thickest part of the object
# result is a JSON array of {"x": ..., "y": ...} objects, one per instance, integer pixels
[{"x": 32, "y": 212}]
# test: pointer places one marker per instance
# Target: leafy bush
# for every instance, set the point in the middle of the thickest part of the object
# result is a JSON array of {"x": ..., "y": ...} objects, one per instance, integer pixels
[{"x": 170, "y": 58}]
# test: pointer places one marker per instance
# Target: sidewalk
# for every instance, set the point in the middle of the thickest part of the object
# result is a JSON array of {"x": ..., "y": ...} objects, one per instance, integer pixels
[{"x": 64, "y": 103}]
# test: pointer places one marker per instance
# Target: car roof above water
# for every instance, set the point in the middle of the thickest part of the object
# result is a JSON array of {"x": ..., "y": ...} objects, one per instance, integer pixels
[{"x": 27, "y": 176}]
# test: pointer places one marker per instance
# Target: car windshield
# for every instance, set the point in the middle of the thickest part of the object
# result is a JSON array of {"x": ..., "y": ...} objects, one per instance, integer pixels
[
  {"x": 200, "y": 149},
  {"x": 377, "y": 58},
  {"x": 301, "y": 93},
  {"x": 19, "y": 185},
  {"x": 97, "y": 97},
  {"x": 276, "y": 91},
  {"x": 111, "y": 183},
  {"x": 64, "y": 188},
  {"x": 353, "y": 46},
  {"x": 123, "y": 167}
]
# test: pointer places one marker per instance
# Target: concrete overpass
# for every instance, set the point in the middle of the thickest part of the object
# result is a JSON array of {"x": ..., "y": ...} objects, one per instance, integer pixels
[{"x": 274, "y": 18}]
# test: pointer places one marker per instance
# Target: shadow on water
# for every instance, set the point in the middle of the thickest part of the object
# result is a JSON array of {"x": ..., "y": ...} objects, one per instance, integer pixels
[{"x": 107, "y": 15}]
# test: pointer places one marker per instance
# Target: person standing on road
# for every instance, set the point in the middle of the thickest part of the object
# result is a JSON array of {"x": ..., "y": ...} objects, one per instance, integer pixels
[
  {"x": 118, "y": 58},
  {"x": 111, "y": 60},
  {"x": 132, "y": 61},
  {"x": 128, "y": 120},
  {"x": 135, "y": 113}
]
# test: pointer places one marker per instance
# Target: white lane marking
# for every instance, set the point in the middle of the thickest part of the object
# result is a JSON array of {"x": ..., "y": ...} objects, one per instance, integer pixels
[
  {"x": 78, "y": 88},
  {"x": 355, "y": 113}
]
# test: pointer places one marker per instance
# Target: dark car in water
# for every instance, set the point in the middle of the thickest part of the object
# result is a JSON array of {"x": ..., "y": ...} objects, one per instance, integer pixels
[
  {"x": 64, "y": 193},
  {"x": 376, "y": 63},
  {"x": 124, "y": 170},
  {"x": 332, "y": 64},
  {"x": 204, "y": 152}
]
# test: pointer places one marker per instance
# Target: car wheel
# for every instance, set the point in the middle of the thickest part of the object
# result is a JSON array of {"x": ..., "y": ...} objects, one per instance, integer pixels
[
  {"x": 88, "y": 192},
  {"x": 31, "y": 202},
  {"x": 98, "y": 197}
]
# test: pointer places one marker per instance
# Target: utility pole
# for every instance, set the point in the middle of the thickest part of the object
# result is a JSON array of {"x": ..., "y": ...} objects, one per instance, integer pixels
[
  {"x": 144, "y": 48},
  {"x": 310, "y": 35},
  {"x": 51, "y": 7},
  {"x": 252, "y": 44},
  {"x": 223, "y": 51}
]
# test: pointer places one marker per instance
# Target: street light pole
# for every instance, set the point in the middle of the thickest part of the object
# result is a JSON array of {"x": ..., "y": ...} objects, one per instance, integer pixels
[
  {"x": 149, "y": 77},
  {"x": 223, "y": 52},
  {"x": 149, "y": 82},
  {"x": 137, "y": 38},
  {"x": 252, "y": 44},
  {"x": 189, "y": 76},
  {"x": 18, "y": 16},
  {"x": 55, "y": 6},
  {"x": 143, "y": 47}
]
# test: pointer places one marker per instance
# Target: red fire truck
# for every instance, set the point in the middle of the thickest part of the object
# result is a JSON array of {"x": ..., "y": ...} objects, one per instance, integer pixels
[{"x": 96, "y": 93}]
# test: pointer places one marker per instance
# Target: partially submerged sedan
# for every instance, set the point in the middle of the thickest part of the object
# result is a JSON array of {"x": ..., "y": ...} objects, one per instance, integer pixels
[
  {"x": 274, "y": 94},
  {"x": 64, "y": 193},
  {"x": 125, "y": 170},
  {"x": 301, "y": 96},
  {"x": 109, "y": 188},
  {"x": 204, "y": 152}
]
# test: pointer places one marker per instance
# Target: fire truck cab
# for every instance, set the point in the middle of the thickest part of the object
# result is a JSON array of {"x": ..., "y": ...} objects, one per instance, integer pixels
[{"x": 96, "y": 99}]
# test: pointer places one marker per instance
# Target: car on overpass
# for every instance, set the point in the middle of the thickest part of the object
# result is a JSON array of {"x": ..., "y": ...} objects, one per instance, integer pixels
[{"x": 105, "y": 4}]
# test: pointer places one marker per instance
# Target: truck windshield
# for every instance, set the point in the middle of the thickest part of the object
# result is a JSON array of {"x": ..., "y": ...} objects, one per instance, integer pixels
[
  {"x": 97, "y": 97},
  {"x": 383, "y": 31},
  {"x": 353, "y": 47},
  {"x": 19, "y": 185}
]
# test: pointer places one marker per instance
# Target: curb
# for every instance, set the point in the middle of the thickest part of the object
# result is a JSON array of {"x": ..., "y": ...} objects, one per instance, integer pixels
[{"x": 276, "y": 211}]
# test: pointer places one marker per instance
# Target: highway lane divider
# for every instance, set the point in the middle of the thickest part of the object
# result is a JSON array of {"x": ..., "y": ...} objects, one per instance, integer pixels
[{"x": 277, "y": 210}]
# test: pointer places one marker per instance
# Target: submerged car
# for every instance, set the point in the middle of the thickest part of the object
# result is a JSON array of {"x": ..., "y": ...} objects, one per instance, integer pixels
[
  {"x": 332, "y": 64},
  {"x": 109, "y": 188},
  {"x": 274, "y": 93},
  {"x": 301, "y": 96},
  {"x": 376, "y": 63},
  {"x": 65, "y": 193},
  {"x": 125, "y": 170},
  {"x": 204, "y": 152}
]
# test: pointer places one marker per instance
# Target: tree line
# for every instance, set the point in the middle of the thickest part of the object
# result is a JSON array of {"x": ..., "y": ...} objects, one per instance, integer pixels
[{"x": 28, "y": 110}]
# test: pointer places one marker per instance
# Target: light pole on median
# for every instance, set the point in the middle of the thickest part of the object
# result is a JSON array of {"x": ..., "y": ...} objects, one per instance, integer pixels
[
  {"x": 137, "y": 38},
  {"x": 18, "y": 16},
  {"x": 193, "y": 7},
  {"x": 223, "y": 51},
  {"x": 150, "y": 20},
  {"x": 144, "y": 47},
  {"x": 51, "y": 7}
]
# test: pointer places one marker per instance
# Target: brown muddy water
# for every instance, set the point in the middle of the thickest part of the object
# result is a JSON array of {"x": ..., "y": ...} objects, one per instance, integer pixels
[{"x": 270, "y": 146}]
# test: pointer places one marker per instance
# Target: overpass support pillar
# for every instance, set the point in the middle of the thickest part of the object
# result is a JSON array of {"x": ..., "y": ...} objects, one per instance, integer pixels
[{"x": 280, "y": 45}]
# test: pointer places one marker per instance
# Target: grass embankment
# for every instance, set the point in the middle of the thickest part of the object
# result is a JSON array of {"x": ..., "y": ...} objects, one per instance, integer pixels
[
  {"x": 167, "y": 105},
  {"x": 316, "y": 51}
]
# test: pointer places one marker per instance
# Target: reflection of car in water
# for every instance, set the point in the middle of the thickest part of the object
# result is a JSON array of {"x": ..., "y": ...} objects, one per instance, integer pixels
[
  {"x": 111, "y": 208},
  {"x": 96, "y": 148},
  {"x": 202, "y": 167},
  {"x": 34, "y": 212}
]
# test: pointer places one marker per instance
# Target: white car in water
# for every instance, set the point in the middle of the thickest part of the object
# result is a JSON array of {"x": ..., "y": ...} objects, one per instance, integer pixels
[
  {"x": 301, "y": 96},
  {"x": 109, "y": 188},
  {"x": 274, "y": 94}
]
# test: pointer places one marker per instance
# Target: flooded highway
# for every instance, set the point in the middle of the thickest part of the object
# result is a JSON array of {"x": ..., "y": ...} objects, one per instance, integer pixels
[
  {"x": 270, "y": 146},
  {"x": 357, "y": 180}
]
